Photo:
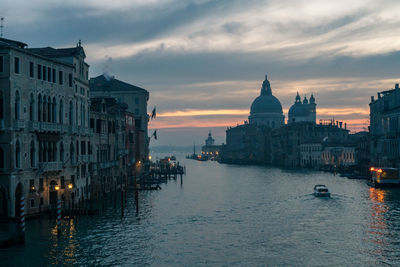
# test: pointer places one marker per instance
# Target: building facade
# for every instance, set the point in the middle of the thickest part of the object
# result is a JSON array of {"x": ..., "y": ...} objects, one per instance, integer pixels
[
  {"x": 44, "y": 138},
  {"x": 135, "y": 97},
  {"x": 385, "y": 128}
]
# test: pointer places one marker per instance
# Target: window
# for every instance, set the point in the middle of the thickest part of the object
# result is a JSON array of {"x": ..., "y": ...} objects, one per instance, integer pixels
[
  {"x": 62, "y": 182},
  {"x": 70, "y": 80},
  {"x": 16, "y": 106},
  {"x": 1, "y": 63},
  {"x": 91, "y": 123},
  {"x": 32, "y": 203},
  {"x": 54, "y": 75},
  {"x": 31, "y": 184},
  {"x": 49, "y": 74},
  {"x": 16, "y": 65},
  {"x": 1, "y": 158},
  {"x": 33, "y": 152},
  {"x": 44, "y": 73},
  {"x": 17, "y": 155},
  {"x": 137, "y": 100},
  {"x": 31, "y": 70},
  {"x": 39, "y": 71},
  {"x": 60, "y": 77}
]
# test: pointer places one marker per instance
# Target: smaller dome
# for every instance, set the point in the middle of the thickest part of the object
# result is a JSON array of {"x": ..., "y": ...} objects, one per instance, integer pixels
[{"x": 298, "y": 110}]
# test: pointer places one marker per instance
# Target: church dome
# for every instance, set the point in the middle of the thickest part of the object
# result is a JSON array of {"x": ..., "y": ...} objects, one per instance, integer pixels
[
  {"x": 266, "y": 102},
  {"x": 298, "y": 110}
]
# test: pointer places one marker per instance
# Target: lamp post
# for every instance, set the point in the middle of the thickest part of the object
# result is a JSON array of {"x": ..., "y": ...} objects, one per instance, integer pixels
[{"x": 57, "y": 188}]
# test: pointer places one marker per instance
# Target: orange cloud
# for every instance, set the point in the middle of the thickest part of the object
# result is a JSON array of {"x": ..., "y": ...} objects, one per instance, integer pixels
[{"x": 195, "y": 118}]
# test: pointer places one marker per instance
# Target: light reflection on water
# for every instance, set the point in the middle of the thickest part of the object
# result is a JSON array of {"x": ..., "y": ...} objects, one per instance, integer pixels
[{"x": 229, "y": 215}]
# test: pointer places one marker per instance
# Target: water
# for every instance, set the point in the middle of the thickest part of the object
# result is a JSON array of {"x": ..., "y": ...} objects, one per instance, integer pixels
[{"x": 227, "y": 215}]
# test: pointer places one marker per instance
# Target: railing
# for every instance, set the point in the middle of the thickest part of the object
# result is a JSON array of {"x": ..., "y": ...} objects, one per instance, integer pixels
[
  {"x": 33, "y": 126},
  {"x": 19, "y": 124},
  {"x": 84, "y": 158},
  {"x": 50, "y": 126},
  {"x": 50, "y": 166},
  {"x": 73, "y": 129}
]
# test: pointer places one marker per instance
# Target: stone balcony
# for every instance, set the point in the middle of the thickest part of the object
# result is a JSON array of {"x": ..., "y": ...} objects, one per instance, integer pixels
[
  {"x": 84, "y": 158},
  {"x": 73, "y": 129},
  {"x": 19, "y": 125},
  {"x": 50, "y": 166},
  {"x": 50, "y": 127}
]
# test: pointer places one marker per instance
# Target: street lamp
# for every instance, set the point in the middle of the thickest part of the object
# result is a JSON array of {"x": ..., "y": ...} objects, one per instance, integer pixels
[
  {"x": 56, "y": 187},
  {"x": 70, "y": 186}
]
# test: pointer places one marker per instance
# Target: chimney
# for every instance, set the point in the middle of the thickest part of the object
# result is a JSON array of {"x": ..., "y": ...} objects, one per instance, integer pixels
[
  {"x": 379, "y": 95},
  {"x": 396, "y": 86},
  {"x": 340, "y": 124},
  {"x": 372, "y": 99},
  {"x": 345, "y": 126}
]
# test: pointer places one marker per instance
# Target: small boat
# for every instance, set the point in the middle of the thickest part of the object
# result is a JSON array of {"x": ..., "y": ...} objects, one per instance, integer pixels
[{"x": 321, "y": 190}]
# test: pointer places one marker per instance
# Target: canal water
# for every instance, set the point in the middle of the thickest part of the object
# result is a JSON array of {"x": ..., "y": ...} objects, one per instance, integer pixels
[{"x": 226, "y": 215}]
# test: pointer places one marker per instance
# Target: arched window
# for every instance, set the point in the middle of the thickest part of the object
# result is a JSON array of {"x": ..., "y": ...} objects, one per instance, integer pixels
[
  {"x": 17, "y": 155},
  {"x": 61, "y": 113},
  {"x": 17, "y": 105},
  {"x": 76, "y": 113},
  {"x": 62, "y": 152},
  {"x": 33, "y": 154},
  {"x": 44, "y": 110},
  {"x": 71, "y": 152},
  {"x": 40, "y": 151},
  {"x": 71, "y": 113},
  {"x": 54, "y": 114},
  {"x": 49, "y": 109},
  {"x": 54, "y": 158},
  {"x": 1, "y": 158},
  {"x": 32, "y": 108},
  {"x": 39, "y": 115}
]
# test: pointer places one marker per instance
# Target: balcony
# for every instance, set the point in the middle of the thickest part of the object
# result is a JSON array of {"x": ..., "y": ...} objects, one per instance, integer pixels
[
  {"x": 84, "y": 158},
  {"x": 73, "y": 129},
  {"x": 64, "y": 128},
  {"x": 50, "y": 166},
  {"x": 50, "y": 127},
  {"x": 19, "y": 125},
  {"x": 33, "y": 126}
]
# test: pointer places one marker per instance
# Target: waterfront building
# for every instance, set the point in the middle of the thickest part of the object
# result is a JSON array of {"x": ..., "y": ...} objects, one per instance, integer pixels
[
  {"x": 303, "y": 111},
  {"x": 338, "y": 156},
  {"x": 266, "y": 109},
  {"x": 385, "y": 128},
  {"x": 109, "y": 153},
  {"x": 210, "y": 150},
  {"x": 44, "y": 127},
  {"x": 135, "y": 97},
  {"x": 286, "y": 142},
  {"x": 310, "y": 154}
]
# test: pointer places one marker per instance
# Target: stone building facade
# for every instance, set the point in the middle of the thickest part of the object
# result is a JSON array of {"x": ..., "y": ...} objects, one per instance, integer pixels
[
  {"x": 109, "y": 155},
  {"x": 135, "y": 97},
  {"x": 44, "y": 133},
  {"x": 385, "y": 128}
]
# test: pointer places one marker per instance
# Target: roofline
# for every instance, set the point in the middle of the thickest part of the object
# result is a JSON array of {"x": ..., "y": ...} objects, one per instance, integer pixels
[{"x": 36, "y": 55}]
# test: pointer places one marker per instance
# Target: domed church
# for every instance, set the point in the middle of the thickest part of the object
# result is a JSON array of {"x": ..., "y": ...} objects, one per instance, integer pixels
[
  {"x": 303, "y": 111},
  {"x": 266, "y": 110}
]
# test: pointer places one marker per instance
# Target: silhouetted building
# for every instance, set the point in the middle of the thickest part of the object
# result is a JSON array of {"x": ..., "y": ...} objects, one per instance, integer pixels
[{"x": 385, "y": 128}]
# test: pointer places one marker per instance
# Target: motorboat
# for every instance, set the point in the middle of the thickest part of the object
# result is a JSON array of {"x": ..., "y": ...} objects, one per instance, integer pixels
[{"x": 321, "y": 190}]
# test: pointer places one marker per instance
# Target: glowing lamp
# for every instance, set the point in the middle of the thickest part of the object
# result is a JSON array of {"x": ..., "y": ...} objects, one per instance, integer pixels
[
  {"x": 372, "y": 169},
  {"x": 70, "y": 186},
  {"x": 149, "y": 157},
  {"x": 33, "y": 187},
  {"x": 57, "y": 188}
]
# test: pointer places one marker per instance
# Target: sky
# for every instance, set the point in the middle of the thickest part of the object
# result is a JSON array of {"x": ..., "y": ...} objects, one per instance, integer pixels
[{"x": 203, "y": 61}]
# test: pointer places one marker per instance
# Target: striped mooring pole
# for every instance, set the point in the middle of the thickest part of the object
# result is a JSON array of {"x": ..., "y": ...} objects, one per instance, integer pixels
[
  {"x": 58, "y": 216},
  {"x": 22, "y": 217}
]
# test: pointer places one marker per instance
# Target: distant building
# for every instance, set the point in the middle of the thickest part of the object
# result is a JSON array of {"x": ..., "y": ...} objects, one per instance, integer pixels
[
  {"x": 266, "y": 110},
  {"x": 108, "y": 150},
  {"x": 385, "y": 128},
  {"x": 293, "y": 144},
  {"x": 303, "y": 111},
  {"x": 210, "y": 150},
  {"x": 135, "y": 97}
]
